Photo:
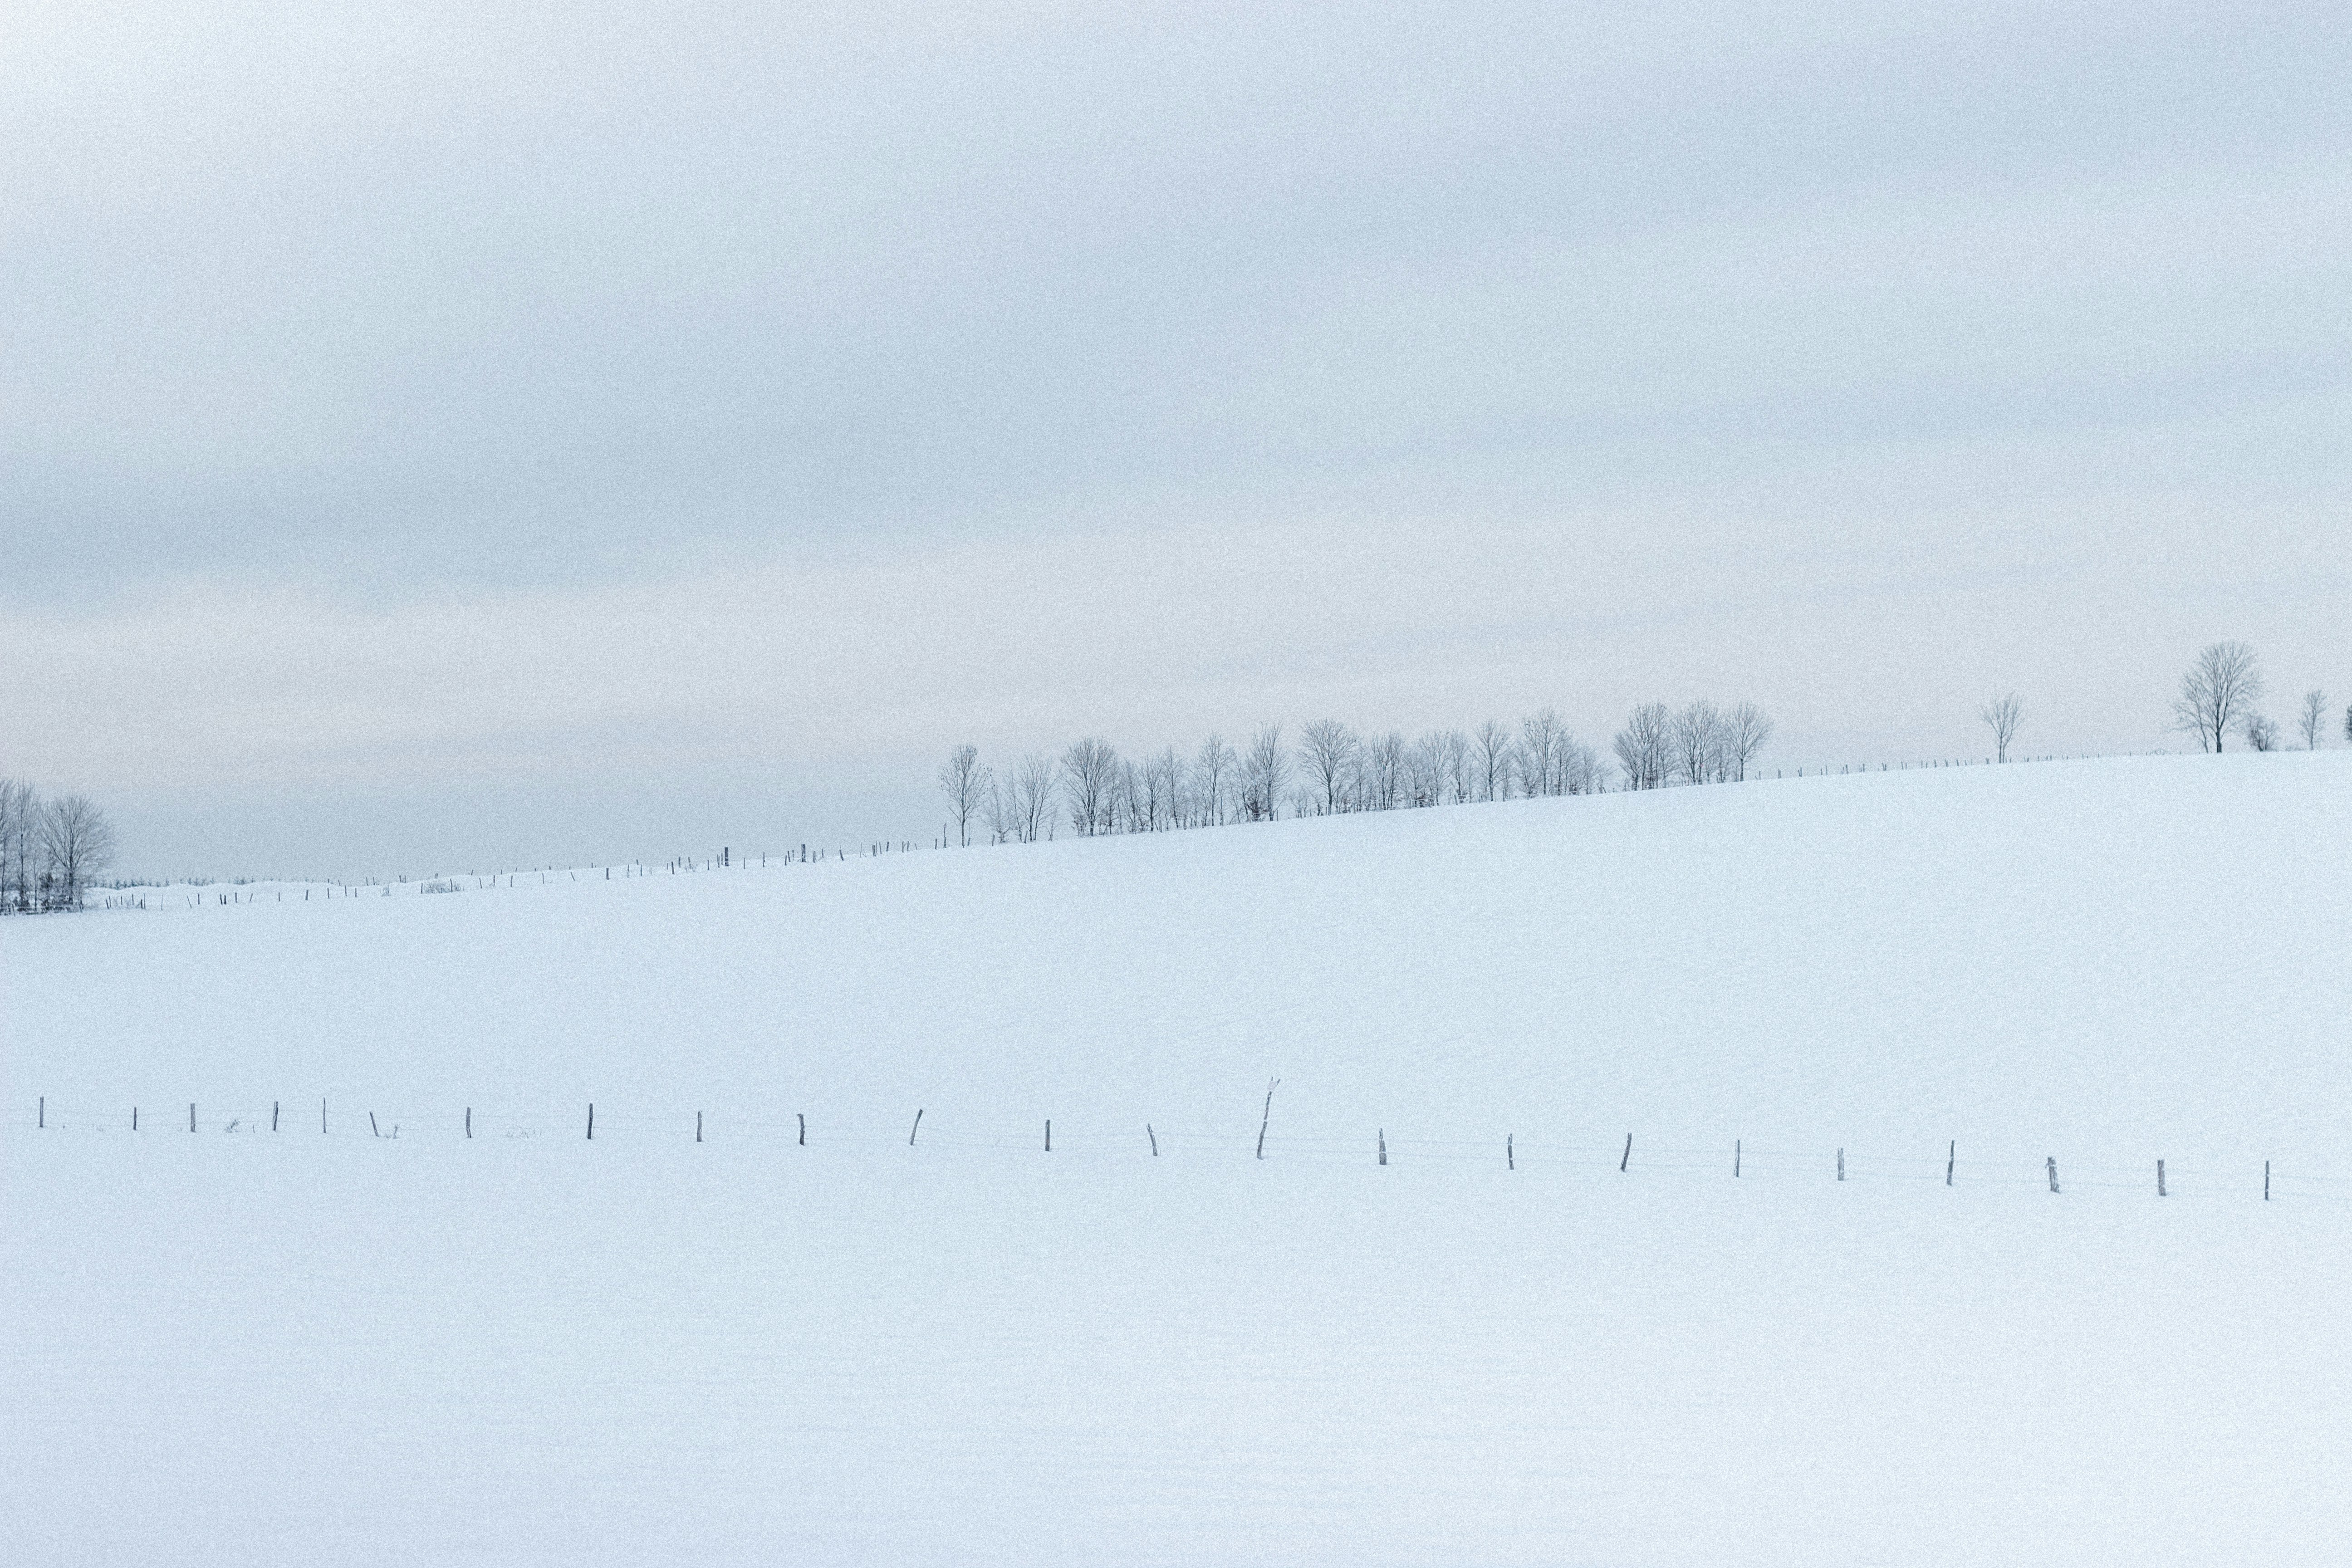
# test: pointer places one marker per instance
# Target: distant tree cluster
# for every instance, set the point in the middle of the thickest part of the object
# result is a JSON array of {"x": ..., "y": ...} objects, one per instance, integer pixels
[
  {"x": 2222, "y": 694},
  {"x": 51, "y": 851},
  {"x": 1332, "y": 768}
]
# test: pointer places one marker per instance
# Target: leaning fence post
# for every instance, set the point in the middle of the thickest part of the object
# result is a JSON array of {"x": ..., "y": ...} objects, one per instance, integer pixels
[
  {"x": 273, "y": 1116},
  {"x": 1627, "y": 1155},
  {"x": 1148, "y": 1133},
  {"x": 918, "y": 1126},
  {"x": 1267, "y": 1119}
]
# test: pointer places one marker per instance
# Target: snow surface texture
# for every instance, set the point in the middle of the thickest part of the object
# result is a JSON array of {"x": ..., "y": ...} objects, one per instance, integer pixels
[{"x": 529, "y": 1347}]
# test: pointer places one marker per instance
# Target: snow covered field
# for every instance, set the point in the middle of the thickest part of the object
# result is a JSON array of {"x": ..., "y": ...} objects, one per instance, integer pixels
[{"x": 529, "y": 1347}]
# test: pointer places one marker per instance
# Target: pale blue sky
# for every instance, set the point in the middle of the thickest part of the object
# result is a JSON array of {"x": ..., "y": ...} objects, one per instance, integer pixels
[{"x": 479, "y": 432}]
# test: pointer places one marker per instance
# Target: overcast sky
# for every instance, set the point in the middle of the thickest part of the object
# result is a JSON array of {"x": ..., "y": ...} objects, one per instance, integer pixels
[{"x": 437, "y": 436}]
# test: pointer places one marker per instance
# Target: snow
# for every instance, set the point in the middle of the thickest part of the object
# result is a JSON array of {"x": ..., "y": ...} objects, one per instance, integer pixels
[{"x": 530, "y": 1347}]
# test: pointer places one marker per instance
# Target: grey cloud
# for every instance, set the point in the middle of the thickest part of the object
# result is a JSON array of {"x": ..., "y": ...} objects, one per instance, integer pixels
[{"x": 501, "y": 294}]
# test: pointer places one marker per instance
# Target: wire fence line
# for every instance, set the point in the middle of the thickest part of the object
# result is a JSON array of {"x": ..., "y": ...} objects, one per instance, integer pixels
[{"x": 1622, "y": 1154}]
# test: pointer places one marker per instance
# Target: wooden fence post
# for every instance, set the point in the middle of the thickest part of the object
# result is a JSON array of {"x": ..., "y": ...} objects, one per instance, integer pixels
[
  {"x": 192, "y": 1116},
  {"x": 1510, "y": 1156},
  {"x": 1735, "y": 1157},
  {"x": 1148, "y": 1133},
  {"x": 469, "y": 1121},
  {"x": 2053, "y": 1163},
  {"x": 1951, "y": 1159},
  {"x": 804, "y": 1116},
  {"x": 592, "y": 1120},
  {"x": 1623, "y": 1159},
  {"x": 1384, "y": 1145},
  {"x": 697, "y": 1127},
  {"x": 2266, "y": 1181},
  {"x": 1049, "y": 1135},
  {"x": 2159, "y": 1178},
  {"x": 918, "y": 1126},
  {"x": 273, "y": 1116},
  {"x": 1841, "y": 1165},
  {"x": 1267, "y": 1119}
]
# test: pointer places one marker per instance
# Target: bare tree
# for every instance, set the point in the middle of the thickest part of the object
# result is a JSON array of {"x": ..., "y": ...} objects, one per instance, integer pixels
[
  {"x": 1089, "y": 785},
  {"x": 967, "y": 781},
  {"x": 2315, "y": 718},
  {"x": 1695, "y": 736},
  {"x": 1645, "y": 746},
  {"x": 1327, "y": 751},
  {"x": 2261, "y": 734},
  {"x": 1454, "y": 751},
  {"x": 20, "y": 808},
  {"x": 1265, "y": 772},
  {"x": 2216, "y": 693},
  {"x": 1129, "y": 807},
  {"x": 1383, "y": 775},
  {"x": 1538, "y": 754},
  {"x": 1745, "y": 730},
  {"x": 998, "y": 810},
  {"x": 1165, "y": 791},
  {"x": 1580, "y": 769},
  {"x": 1213, "y": 779},
  {"x": 76, "y": 844},
  {"x": 1426, "y": 780},
  {"x": 10, "y": 809},
  {"x": 1491, "y": 760},
  {"x": 2002, "y": 715},
  {"x": 1033, "y": 798}
]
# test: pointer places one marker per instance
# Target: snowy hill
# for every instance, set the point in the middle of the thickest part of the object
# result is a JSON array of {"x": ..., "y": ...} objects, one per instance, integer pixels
[
  {"x": 531, "y": 1347},
  {"x": 2115, "y": 958}
]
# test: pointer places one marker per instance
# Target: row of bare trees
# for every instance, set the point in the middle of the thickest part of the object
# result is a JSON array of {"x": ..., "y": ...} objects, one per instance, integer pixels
[
  {"x": 2221, "y": 695},
  {"x": 51, "y": 851},
  {"x": 1332, "y": 768}
]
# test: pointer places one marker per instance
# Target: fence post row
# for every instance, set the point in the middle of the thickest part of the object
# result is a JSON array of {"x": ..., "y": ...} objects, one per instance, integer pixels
[{"x": 1151, "y": 1136}]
